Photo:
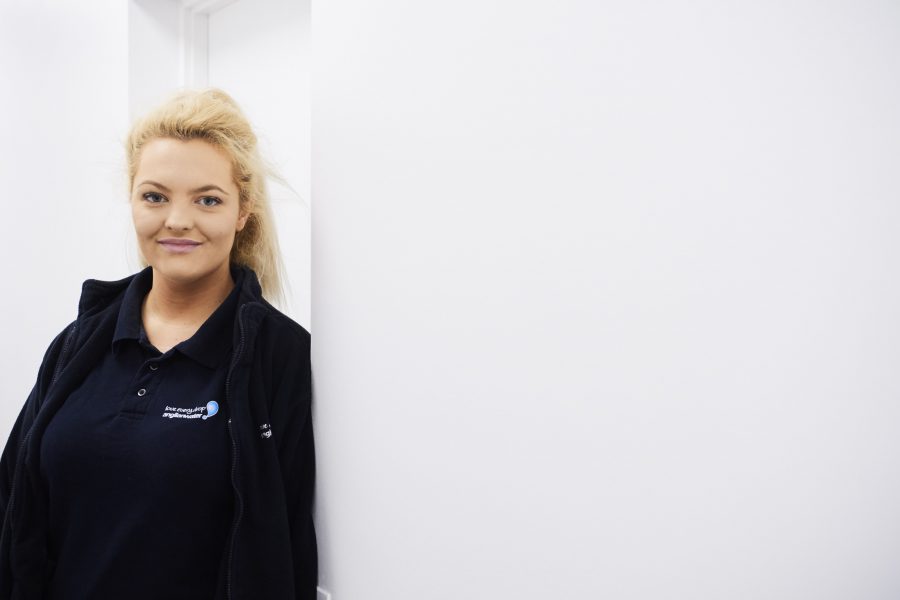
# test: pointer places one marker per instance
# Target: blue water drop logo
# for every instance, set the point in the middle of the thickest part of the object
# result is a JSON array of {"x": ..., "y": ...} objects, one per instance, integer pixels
[{"x": 211, "y": 409}]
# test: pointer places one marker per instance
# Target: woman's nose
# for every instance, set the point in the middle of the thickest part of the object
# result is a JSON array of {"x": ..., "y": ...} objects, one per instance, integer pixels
[{"x": 179, "y": 218}]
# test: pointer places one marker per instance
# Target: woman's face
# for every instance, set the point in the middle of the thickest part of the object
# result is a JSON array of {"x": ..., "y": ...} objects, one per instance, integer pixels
[{"x": 184, "y": 203}]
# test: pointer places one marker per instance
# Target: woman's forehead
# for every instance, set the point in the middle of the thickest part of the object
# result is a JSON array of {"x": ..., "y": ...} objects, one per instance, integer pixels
[{"x": 185, "y": 162}]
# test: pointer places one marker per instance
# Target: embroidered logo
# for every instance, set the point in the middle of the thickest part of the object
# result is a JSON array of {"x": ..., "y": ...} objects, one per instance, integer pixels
[
  {"x": 266, "y": 431},
  {"x": 197, "y": 412}
]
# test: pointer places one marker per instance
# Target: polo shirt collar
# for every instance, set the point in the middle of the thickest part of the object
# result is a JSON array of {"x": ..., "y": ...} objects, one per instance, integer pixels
[{"x": 209, "y": 346}]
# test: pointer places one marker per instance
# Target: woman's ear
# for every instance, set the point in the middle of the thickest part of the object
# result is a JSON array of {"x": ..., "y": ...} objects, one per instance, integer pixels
[{"x": 243, "y": 216}]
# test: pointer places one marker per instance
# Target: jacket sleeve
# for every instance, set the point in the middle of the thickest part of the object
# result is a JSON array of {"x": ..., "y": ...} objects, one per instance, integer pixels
[
  {"x": 27, "y": 413},
  {"x": 293, "y": 410}
]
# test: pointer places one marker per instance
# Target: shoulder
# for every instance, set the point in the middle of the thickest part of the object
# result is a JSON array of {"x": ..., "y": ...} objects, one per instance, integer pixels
[
  {"x": 281, "y": 335},
  {"x": 282, "y": 361},
  {"x": 60, "y": 343},
  {"x": 53, "y": 361}
]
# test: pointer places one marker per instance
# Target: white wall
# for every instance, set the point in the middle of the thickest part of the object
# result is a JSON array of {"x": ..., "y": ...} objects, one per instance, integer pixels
[
  {"x": 605, "y": 299},
  {"x": 64, "y": 101},
  {"x": 154, "y": 53}
]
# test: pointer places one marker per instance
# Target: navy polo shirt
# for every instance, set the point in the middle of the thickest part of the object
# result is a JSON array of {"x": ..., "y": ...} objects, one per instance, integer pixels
[{"x": 137, "y": 464}]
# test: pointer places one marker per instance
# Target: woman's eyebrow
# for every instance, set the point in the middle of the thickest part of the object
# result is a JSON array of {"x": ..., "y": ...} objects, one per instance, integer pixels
[{"x": 204, "y": 188}]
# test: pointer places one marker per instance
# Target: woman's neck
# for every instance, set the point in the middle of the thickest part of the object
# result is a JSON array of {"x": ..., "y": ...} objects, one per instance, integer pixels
[{"x": 180, "y": 304}]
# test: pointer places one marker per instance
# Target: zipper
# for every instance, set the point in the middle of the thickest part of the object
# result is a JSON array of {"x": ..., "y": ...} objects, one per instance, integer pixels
[
  {"x": 20, "y": 457},
  {"x": 239, "y": 505}
]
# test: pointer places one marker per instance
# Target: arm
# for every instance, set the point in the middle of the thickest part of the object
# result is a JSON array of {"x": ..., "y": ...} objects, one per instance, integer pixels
[
  {"x": 296, "y": 451},
  {"x": 27, "y": 414}
]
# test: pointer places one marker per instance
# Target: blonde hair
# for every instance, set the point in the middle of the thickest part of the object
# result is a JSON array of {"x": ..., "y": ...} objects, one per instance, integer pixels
[{"x": 213, "y": 116}]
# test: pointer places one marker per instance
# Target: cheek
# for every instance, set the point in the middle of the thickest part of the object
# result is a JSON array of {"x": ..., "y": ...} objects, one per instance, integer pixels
[
  {"x": 147, "y": 223},
  {"x": 144, "y": 223},
  {"x": 223, "y": 228}
]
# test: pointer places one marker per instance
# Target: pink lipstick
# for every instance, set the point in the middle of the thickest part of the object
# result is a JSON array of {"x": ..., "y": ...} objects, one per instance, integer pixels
[{"x": 178, "y": 245}]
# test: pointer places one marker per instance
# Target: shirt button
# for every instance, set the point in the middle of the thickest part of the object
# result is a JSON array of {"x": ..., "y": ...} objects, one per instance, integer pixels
[
  {"x": 142, "y": 391},
  {"x": 154, "y": 367}
]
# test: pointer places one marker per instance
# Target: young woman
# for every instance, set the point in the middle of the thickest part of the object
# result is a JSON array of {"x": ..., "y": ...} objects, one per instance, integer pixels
[{"x": 166, "y": 449}]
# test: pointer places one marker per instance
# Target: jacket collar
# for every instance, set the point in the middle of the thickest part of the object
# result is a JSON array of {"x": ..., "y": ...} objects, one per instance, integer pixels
[{"x": 98, "y": 295}]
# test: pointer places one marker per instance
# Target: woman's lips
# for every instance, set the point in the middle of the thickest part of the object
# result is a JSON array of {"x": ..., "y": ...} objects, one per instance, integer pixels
[{"x": 179, "y": 247}]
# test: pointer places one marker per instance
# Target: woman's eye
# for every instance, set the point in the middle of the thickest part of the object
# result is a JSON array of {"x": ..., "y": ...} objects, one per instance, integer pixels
[
  {"x": 152, "y": 197},
  {"x": 215, "y": 200}
]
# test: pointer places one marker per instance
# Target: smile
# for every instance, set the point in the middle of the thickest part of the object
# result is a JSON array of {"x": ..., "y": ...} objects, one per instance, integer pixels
[{"x": 179, "y": 247}]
